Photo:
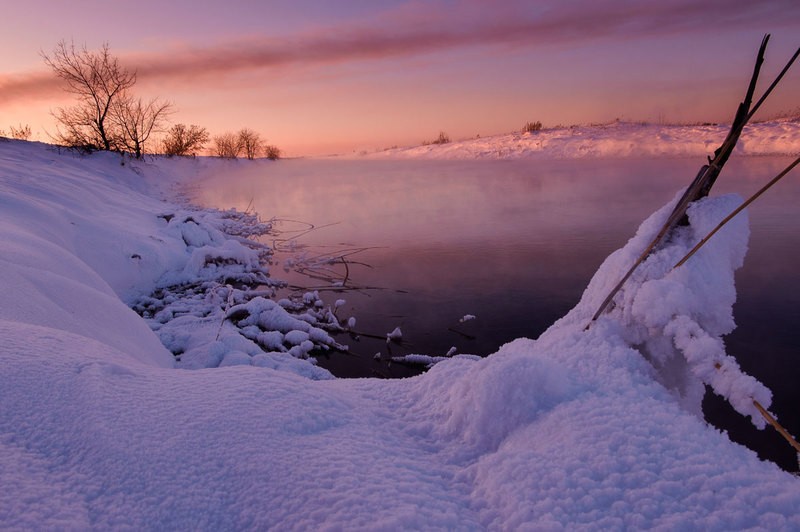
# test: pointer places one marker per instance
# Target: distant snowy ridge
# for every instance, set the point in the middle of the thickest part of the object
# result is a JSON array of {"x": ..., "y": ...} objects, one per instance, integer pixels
[{"x": 619, "y": 139}]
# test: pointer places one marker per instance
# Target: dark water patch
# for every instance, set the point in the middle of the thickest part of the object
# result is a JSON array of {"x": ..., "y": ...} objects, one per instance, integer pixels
[{"x": 515, "y": 243}]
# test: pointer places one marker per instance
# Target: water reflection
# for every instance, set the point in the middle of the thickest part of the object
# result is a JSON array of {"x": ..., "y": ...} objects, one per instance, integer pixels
[{"x": 515, "y": 243}]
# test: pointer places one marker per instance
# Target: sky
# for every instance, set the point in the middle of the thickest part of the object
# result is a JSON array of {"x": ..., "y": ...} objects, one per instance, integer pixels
[{"x": 319, "y": 77}]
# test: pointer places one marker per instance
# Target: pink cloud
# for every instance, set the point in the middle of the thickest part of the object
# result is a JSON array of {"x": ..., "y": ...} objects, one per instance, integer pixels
[
  {"x": 33, "y": 86},
  {"x": 420, "y": 29}
]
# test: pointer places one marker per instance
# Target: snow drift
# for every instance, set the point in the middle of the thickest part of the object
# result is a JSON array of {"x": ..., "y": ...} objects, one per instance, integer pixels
[{"x": 578, "y": 429}]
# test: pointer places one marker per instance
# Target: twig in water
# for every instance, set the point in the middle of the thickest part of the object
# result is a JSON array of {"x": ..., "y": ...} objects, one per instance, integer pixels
[
  {"x": 465, "y": 335},
  {"x": 368, "y": 335},
  {"x": 301, "y": 232},
  {"x": 346, "y": 272}
]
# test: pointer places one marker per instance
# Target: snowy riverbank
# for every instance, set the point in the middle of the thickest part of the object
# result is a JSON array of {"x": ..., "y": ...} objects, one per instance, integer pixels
[
  {"x": 618, "y": 139},
  {"x": 577, "y": 429}
]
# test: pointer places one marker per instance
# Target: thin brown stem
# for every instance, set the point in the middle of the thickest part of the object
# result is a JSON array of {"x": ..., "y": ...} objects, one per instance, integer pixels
[
  {"x": 773, "y": 85},
  {"x": 777, "y": 426}
]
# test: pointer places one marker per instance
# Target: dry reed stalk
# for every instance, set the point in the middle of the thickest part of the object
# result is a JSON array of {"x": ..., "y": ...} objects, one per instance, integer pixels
[
  {"x": 739, "y": 209},
  {"x": 708, "y": 174},
  {"x": 773, "y": 84},
  {"x": 777, "y": 426}
]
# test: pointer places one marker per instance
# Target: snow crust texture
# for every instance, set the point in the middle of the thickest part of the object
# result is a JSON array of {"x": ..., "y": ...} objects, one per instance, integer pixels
[{"x": 577, "y": 430}]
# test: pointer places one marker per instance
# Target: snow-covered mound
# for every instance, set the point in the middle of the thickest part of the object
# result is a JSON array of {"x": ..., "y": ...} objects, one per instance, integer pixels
[
  {"x": 575, "y": 430},
  {"x": 619, "y": 139}
]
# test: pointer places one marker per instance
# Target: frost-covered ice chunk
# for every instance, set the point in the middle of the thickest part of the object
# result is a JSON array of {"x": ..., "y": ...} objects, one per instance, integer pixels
[
  {"x": 351, "y": 322},
  {"x": 296, "y": 337},
  {"x": 221, "y": 271},
  {"x": 311, "y": 298},
  {"x": 467, "y": 317},
  {"x": 268, "y": 316},
  {"x": 194, "y": 235},
  {"x": 229, "y": 253},
  {"x": 302, "y": 350},
  {"x": 395, "y": 336}
]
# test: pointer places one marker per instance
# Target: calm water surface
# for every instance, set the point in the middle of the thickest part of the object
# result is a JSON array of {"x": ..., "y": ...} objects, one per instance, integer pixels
[{"x": 515, "y": 244}]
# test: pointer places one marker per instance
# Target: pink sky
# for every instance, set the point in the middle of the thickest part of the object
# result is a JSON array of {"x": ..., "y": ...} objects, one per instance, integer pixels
[{"x": 322, "y": 77}]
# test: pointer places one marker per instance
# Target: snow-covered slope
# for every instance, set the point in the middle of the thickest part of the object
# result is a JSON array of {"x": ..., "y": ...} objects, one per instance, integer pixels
[
  {"x": 576, "y": 430},
  {"x": 619, "y": 139},
  {"x": 69, "y": 231}
]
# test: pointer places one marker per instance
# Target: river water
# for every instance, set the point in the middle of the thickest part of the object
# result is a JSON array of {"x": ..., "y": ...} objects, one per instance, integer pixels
[{"x": 514, "y": 243}]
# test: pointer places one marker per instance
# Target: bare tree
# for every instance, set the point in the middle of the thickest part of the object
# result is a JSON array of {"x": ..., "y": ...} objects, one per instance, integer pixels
[
  {"x": 97, "y": 80},
  {"x": 227, "y": 146},
  {"x": 251, "y": 143},
  {"x": 183, "y": 140},
  {"x": 136, "y": 120}
]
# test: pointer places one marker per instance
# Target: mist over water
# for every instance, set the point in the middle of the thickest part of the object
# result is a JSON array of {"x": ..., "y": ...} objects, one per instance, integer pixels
[{"x": 514, "y": 243}]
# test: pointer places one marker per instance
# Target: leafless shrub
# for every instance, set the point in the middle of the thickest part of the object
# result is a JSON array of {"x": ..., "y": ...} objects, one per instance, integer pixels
[
  {"x": 183, "y": 140},
  {"x": 97, "y": 80},
  {"x": 443, "y": 138},
  {"x": 20, "y": 133},
  {"x": 531, "y": 127},
  {"x": 272, "y": 152},
  {"x": 227, "y": 146}
]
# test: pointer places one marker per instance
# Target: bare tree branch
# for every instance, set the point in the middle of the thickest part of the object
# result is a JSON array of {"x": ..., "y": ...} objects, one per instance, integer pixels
[
  {"x": 136, "y": 121},
  {"x": 97, "y": 80}
]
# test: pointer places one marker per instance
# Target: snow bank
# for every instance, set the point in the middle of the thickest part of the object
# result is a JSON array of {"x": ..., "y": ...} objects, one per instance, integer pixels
[
  {"x": 578, "y": 429},
  {"x": 73, "y": 243},
  {"x": 619, "y": 139}
]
